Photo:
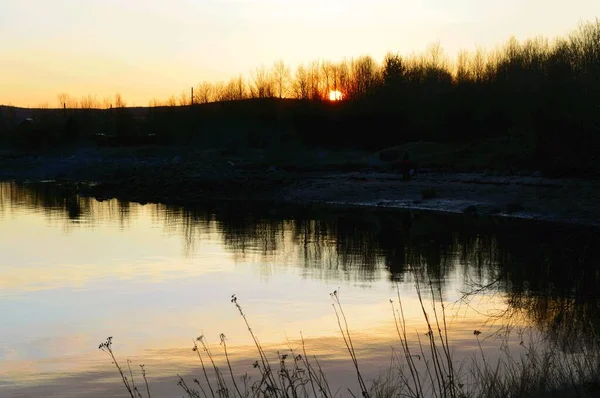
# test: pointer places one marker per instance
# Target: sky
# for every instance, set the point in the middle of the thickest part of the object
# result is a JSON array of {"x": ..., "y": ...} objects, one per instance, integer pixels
[{"x": 148, "y": 49}]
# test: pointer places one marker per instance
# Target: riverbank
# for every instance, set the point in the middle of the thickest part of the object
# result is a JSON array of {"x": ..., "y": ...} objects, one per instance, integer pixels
[{"x": 147, "y": 175}]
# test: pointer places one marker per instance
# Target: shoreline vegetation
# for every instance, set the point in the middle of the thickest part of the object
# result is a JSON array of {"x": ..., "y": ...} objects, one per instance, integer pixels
[{"x": 422, "y": 367}]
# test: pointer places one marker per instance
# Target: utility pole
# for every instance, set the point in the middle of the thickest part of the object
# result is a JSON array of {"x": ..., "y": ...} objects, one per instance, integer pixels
[{"x": 192, "y": 96}]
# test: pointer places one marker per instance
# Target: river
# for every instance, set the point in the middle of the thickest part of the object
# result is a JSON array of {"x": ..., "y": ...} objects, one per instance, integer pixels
[{"x": 74, "y": 271}]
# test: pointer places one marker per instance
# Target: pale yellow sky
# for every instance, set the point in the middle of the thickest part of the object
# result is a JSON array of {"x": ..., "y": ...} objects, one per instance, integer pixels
[{"x": 155, "y": 48}]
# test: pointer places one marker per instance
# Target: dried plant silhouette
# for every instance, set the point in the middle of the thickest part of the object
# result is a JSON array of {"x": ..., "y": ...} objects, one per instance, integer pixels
[{"x": 423, "y": 368}]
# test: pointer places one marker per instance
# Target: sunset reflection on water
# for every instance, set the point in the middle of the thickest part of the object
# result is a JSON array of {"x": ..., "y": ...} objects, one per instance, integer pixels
[{"x": 156, "y": 277}]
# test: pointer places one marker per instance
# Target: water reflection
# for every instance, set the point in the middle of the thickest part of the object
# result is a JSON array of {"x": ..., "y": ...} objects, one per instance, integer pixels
[
  {"x": 540, "y": 274},
  {"x": 546, "y": 268}
]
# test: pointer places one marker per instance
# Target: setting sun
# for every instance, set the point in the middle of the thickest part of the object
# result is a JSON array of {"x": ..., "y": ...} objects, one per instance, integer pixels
[{"x": 335, "y": 95}]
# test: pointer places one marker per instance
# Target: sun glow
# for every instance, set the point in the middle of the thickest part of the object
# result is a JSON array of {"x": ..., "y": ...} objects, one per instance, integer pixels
[{"x": 335, "y": 95}]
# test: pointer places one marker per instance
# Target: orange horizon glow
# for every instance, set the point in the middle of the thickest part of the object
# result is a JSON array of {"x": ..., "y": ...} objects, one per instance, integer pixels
[{"x": 151, "y": 50}]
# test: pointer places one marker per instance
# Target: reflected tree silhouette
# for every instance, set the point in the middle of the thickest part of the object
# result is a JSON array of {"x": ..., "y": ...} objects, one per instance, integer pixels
[{"x": 548, "y": 273}]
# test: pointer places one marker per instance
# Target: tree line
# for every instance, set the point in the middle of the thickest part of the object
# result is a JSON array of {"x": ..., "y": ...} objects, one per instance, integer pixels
[
  {"x": 529, "y": 61},
  {"x": 545, "y": 94}
]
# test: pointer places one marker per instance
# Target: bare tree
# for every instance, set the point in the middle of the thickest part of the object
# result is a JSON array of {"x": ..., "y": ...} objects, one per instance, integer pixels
[
  {"x": 365, "y": 75},
  {"x": 183, "y": 99},
  {"x": 204, "y": 93},
  {"x": 262, "y": 83},
  {"x": 436, "y": 58},
  {"x": 119, "y": 101},
  {"x": 314, "y": 80},
  {"x": 171, "y": 101},
  {"x": 63, "y": 98},
  {"x": 463, "y": 70},
  {"x": 301, "y": 84},
  {"x": 234, "y": 89},
  {"x": 106, "y": 103},
  {"x": 343, "y": 78},
  {"x": 219, "y": 91},
  {"x": 328, "y": 74},
  {"x": 479, "y": 64},
  {"x": 240, "y": 86},
  {"x": 229, "y": 91},
  {"x": 281, "y": 76},
  {"x": 88, "y": 102}
]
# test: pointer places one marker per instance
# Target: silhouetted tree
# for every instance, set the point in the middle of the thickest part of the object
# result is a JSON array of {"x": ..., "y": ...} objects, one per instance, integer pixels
[
  {"x": 119, "y": 101},
  {"x": 262, "y": 85},
  {"x": 204, "y": 93},
  {"x": 106, "y": 103},
  {"x": 314, "y": 81},
  {"x": 184, "y": 99},
  {"x": 88, "y": 102},
  {"x": 234, "y": 89},
  {"x": 63, "y": 99},
  {"x": 301, "y": 85},
  {"x": 171, "y": 101},
  {"x": 393, "y": 71},
  {"x": 281, "y": 77}
]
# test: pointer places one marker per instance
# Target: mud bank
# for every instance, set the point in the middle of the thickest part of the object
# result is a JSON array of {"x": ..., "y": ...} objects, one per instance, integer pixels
[
  {"x": 563, "y": 200},
  {"x": 175, "y": 180}
]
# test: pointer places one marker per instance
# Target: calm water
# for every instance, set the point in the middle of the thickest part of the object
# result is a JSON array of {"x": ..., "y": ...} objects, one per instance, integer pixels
[{"x": 74, "y": 271}]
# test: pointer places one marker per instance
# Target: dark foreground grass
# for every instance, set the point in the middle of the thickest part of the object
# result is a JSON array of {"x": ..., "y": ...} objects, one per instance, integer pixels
[{"x": 424, "y": 367}]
